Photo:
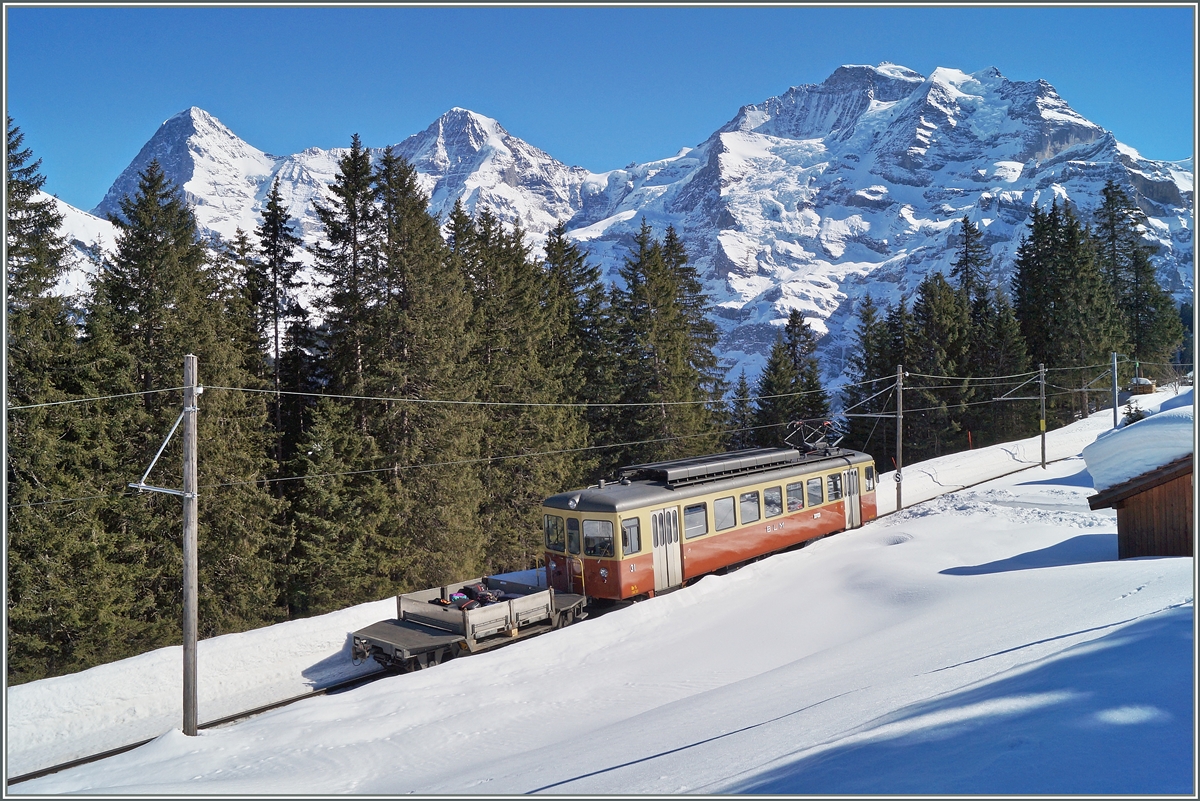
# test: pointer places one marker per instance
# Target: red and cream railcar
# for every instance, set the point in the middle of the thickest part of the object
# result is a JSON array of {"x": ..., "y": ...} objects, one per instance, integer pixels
[{"x": 661, "y": 525}]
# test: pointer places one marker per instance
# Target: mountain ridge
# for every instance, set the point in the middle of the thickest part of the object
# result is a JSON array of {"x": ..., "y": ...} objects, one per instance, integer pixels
[{"x": 807, "y": 200}]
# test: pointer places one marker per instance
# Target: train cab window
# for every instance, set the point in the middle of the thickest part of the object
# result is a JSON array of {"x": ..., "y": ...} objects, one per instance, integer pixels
[
  {"x": 631, "y": 537},
  {"x": 835, "y": 486},
  {"x": 695, "y": 520},
  {"x": 572, "y": 535},
  {"x": 597, "y": 538},
  {"x": 748, "y": 507},
  {"x": 773, "y": 501},
  {"x": 816, "y": 495},
  {"x": 870, "y": 471},
  {"x": 556, "y": 538},
  {"x": 795, "y": 496},
  {"x": 723, "y": 512}
]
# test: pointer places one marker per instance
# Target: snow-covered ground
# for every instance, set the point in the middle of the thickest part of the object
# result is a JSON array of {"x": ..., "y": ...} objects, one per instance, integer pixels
[{"x": 983, "y": 641}]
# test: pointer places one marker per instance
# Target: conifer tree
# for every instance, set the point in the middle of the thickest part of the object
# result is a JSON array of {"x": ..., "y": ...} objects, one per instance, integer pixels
[
  {"x": 417, "y": 341},
  {"x": 239, "y": 275},
  {"x": 514, "y": 355},
  {"x": 667, "y": 393},
  {"x": 971, "y": 262},
  {"x": 997, "y": 349},
  {"x": 801, "y": 343},
  {"x": 696, "y": 307},
  {"x": 67, "y": 597},
  {"x": 778, "y": 402},
  {"x": 578, "y": 293},
  {"x": 275, "y": 298},
  {"x": 342, "y": 261},
  {"x": 159, "y": 299},
  {"x": 1149, "y": 313},
  {"x": 871, "y": 373},
  {"x": 741, "y": 416},
  {"x": 1033, "y": 288},
  {"x": 940, "y": 347},
  {"x": 338, "y": 514}
]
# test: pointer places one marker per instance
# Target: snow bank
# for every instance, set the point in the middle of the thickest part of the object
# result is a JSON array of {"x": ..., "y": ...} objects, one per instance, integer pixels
[
  {"x": 1127, "y": 452},
  {"x": 67, "y": 717}
]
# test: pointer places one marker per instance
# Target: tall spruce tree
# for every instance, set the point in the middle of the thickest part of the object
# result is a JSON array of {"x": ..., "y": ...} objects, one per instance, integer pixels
[
  {"x": 997, "y": 349},
  {"x": 741, "y": 416},
  {"x": 523, "y": 383},
  {"x": 67, "y": 597},
  {"x": 801, "y": 343},
  {"x": 778, "y": 400},
  {"x": 342, "y": 261},
  {"x": 664, "y": 386},
  {"x": 971, "y": 261},
  {"x": 577, "y": 293},
  {"x": 275, "y": 296},
  {"x": 871, "y": 374},
  {"x": 1088, "y": 327},
  {"x": 418, "y": 342},
  {"x": 1034, "y": 293},
  {"x": 941, "y": 338},
  {"x": 1149, "y": 313},
  {"x": 160, "y": 298},
  {"x": 696, "y": 307}
]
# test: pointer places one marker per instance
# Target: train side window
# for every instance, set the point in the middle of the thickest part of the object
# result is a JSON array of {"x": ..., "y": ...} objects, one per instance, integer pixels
[
  {"x": 695, "y": 520},
  {"x": 748, "y": 507},
  {"x": 773, "y": 501},
  {"x": 723, "y": 512},
  {"x": 816, "y": 495},
  {"x": 795, "y": 496},
  {"x": 597, "y": 538},
  {"x": 572, "y": 535},
  {"x": 631, "y": 537},
  {"x": 870, "y": 477},
  {"x": 555, "y": 534},
  {"x": 835, "y": 486}
]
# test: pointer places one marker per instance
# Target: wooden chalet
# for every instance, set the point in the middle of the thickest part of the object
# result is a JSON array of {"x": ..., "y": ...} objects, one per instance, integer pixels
[{"x": 1154, "y": 511}]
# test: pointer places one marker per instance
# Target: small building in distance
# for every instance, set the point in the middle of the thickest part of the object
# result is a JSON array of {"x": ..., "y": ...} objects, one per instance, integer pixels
[
  {"x": 1145, "y": 471},
  {"x": 1141, "y": 386}
]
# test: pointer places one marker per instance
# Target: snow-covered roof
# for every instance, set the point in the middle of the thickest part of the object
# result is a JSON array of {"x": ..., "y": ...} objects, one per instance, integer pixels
[{"x": 1138, "y": 448}]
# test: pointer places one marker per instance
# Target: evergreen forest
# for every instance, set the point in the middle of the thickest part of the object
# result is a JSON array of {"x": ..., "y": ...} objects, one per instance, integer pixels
[{"x": 403, "y": 430}]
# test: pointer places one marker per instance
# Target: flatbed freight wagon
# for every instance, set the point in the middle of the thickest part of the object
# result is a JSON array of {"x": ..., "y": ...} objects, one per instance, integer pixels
[{"x": 425, "y": 632}]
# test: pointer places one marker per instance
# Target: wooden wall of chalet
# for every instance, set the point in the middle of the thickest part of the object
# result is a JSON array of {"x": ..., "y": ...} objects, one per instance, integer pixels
[{"x": 1157, "y": 522}]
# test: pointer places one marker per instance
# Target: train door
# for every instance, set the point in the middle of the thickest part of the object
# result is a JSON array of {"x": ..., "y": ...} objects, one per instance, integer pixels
[
  {"x": 853, "y": 499},
  {"x": 664, "y": 531}
]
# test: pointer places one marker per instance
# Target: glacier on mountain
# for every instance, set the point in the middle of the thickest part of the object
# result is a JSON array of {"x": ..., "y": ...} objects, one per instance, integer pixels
[{"x": 809, "y": 200}]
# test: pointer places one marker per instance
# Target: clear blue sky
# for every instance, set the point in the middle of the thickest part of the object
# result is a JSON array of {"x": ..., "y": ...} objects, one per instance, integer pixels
[{"x": 597, "y": 87}]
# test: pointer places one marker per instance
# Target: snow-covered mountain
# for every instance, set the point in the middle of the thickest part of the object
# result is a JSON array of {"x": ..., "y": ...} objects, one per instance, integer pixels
[
  {"x": 812, "y": 199},
  {"x": 807, "y": 201}
]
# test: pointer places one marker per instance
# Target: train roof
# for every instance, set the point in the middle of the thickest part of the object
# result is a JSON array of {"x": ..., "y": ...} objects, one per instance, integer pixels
[{"x": 667, "y": 482}]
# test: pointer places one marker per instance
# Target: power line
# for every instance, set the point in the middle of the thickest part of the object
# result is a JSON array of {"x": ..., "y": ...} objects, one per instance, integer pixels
[
  {"x": 531, "y": 404},
  {"x": 479, "y": 460},
  {"x": 89, "y": 400},
  {"x": 971, "y": 378}
]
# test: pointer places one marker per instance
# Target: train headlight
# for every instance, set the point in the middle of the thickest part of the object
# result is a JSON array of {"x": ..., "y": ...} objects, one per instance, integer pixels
[
  {"x": 604, "y": 572},
  {"x": 573, "y": 502}
]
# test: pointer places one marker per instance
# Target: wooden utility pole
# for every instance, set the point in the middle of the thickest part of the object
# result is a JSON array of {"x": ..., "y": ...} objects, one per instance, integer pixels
[
  {"x": 191, "y": 527},
  {"x": 1114, "y": 387},
  {"x": 899, "y": 435},
  {"x": 1042, "y": 398}
]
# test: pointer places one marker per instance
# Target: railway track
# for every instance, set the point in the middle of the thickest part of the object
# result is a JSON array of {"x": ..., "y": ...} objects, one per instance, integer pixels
[{"x": 366, "y": 679}]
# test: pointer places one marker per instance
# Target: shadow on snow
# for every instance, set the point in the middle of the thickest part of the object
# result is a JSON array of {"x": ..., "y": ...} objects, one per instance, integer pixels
[
  {"x": 1079, "y": 550},
  {"x": 1111, "y": 716}
]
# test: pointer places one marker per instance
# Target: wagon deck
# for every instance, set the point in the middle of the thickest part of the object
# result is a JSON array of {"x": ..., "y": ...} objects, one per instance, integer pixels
[{"x": 424, "y": 634}]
